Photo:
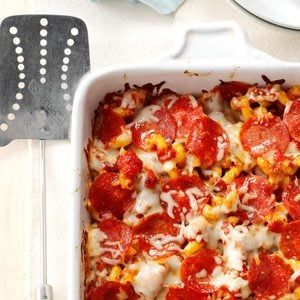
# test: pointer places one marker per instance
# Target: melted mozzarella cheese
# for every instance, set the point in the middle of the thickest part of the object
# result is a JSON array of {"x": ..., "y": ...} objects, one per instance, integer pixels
[
  {"x": 98, "y": 154},
  {"x": 213, "y": 103},
  {"x": 97, "y": 245},
  {"x": 196, "y": 224},
  {"x": 264, "y": 94},
  {"x": 229, "y": 279},
  {"x": 150, "y": 161},
  {"x": 127, "y": 101},
  {"x": 95, "y": 237},
  {"x": 292, "y": 150},
  {"x": 238, "y": 241},
  {"x": 192, "y": 193},
  {"x": 147, "y": 114},
  {"x": 149, "y": 279},
  {"x": 173, "y": 277},
  {"x": 295, "y": 275},
  {"x": 193, "y": 101},
  {"x": 147, "y": 200},
  {"x": 167, "y": 198},
  {"x": 233, "y": 133},
  {"x": 190, "y": 163}
]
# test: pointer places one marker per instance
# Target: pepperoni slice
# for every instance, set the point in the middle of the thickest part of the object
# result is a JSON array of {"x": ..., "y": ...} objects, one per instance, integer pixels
[
  {"x": 141, "y": 131},
  {"x": 291, "y": 199},
  {"x": 256, "y": 193},
  {"x": 207, "y": 141},
  {"x": 107, "y": 125},
  {"x": 107, "y": 196},
  {"x": 186, "y": 114},
  {"x": 111, "y": 290},
  {"x": 166, "y": 126},
  {"x": 129, "y": 164},
  {"x": 118, "y": 238},
  {"x": 157, "y": 235},
  {"x": 291, "y": 118},
  {"x": 290, "y": 240},
  {"x": 230, "y": 89},
  {"x": 269, "y": 277},
  {"x": 196, "y": 270},
  {"x": 184, "y": 293},
  {"x": 187, "y": 192},
  {"x": 261, "y": 134}
]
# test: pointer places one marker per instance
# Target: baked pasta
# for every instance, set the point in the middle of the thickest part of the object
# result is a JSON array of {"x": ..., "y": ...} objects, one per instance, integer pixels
[{"x": 195, "y": 197}]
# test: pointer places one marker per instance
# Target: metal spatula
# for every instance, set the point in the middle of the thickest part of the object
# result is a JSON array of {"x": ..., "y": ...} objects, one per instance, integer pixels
[{"x": 42, "y": 58}]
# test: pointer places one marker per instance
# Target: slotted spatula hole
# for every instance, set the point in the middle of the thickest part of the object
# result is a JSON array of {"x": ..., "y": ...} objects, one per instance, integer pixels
[
  {"x": 11, "y": 116},
  {"x": 66, "y": 60},
  {"x": 67, "y": 97},
  {"x": 21, "y": 67},
  {"x": 19, "y": 96},
  {"x": 3, "y": 126},
  {"x": 43, "y": 32},
  {"x": 20, "y": 58},
  {"x": 74, "y": 31},
  {"x": 70, "y": 42},
  {"x": 67, "y": 51},
  {"x": 19, "y": 50},
  {"x": 64, "y": 86},
  {"x": 44, "y": 22},
  {"x": 13, "y": 30},
  {"x": 16, "y": 40},
  {"x": 16, "y": 106},
  {"x": 43, "y": 61},
  {"x": 43, "y": 43},
  {"x": 21, "y": 85},
  {"x": 69, "y": 107}
]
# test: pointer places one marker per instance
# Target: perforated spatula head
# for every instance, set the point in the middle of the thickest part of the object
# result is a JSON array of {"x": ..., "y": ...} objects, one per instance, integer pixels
[{"x": 42, "y": 58}]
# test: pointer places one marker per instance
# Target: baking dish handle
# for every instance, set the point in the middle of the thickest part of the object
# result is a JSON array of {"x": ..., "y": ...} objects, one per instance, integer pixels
[{"x": 215, "y": 40}]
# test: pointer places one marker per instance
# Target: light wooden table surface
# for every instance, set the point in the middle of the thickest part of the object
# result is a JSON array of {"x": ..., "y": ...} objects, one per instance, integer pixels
[{"x": 119, "y": 32}]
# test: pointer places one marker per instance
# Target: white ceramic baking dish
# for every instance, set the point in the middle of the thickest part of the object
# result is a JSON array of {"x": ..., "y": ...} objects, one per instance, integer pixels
[{"x": 202, "y": 54}]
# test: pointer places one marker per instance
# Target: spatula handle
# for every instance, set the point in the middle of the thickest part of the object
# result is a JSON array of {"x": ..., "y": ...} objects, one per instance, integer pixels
[{"x": 43, "y": 291}]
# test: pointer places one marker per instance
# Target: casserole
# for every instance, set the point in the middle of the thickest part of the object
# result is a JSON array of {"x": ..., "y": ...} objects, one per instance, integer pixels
[{"x": 188, "y": 69}]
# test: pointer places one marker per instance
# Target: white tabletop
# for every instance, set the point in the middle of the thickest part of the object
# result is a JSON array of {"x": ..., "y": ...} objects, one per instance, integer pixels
[{"x": 119, "y": 32}]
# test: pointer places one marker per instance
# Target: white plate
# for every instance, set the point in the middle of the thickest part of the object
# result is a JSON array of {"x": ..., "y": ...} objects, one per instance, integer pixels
[{"x": 284, "y": 13}]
